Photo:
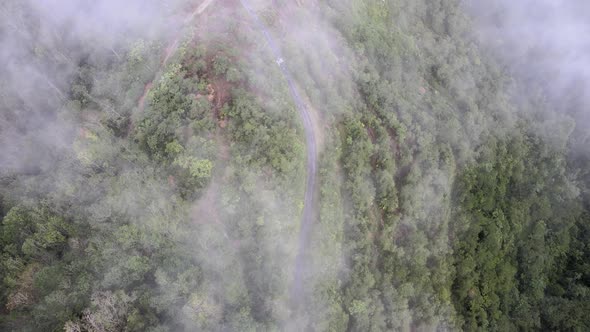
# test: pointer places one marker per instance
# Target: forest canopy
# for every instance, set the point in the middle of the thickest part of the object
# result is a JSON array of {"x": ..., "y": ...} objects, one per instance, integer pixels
[{"x": 395, "y": 168}]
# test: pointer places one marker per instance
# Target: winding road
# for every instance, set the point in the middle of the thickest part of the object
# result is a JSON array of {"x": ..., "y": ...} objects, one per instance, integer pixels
[
  {"x": 311, "y": 142},
  {"x": 304, "y": 113}
]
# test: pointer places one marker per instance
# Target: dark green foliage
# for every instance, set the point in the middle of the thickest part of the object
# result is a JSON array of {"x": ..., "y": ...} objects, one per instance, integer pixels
[
  {"x": 269, "y": 141},
  {"x": 524, "y": 224},
  {"x": 172, "y": 107}
]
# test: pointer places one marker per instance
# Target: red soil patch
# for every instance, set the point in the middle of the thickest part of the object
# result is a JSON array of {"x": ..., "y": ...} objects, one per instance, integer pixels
[
  {"x": 222, "y": 93},
  {"x": 371, "y": 133},
  {"x": 171, "y": 181},
  {"x": 84, "y": 133},
  {"x": 146, "y": 90}
]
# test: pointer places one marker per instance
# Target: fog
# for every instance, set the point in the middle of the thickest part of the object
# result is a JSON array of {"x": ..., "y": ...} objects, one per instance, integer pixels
[
  {"x": 48, "y": 48},
  {"x": 43, "y": 42},
  {"x": 69, "y": 137},
  {"x": 546, "y": 45}
]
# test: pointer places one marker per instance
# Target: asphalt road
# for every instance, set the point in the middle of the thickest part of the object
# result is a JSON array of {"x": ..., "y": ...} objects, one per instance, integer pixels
[{"x": 304, "y": 113}]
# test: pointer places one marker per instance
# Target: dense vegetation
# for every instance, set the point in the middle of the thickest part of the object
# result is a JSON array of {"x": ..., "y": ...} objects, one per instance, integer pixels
[{"x": 146, "y": 187}]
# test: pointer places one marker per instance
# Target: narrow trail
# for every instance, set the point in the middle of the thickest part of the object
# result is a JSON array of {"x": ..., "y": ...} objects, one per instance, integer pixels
[
  {"x": 310, "y": 138},
  {"x": 171, "y": 49},
  {"x": 199, "y": 10}
]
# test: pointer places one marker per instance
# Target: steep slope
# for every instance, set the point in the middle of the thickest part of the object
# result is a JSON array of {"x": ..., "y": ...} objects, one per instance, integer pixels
[{"x": 169, "y": 181}]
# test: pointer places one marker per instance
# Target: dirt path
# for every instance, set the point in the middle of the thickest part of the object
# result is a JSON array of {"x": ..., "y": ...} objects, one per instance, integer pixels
[
  {"x": 141, "y": 101},
  {"x": 199, "y": 10}
]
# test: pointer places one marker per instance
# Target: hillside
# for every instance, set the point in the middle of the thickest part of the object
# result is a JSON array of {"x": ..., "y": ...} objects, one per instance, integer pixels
[{"x": 253, "y": 165}]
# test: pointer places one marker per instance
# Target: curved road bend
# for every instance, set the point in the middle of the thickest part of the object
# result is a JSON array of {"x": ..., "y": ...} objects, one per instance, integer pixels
[{"x": 307, "y": 217}]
